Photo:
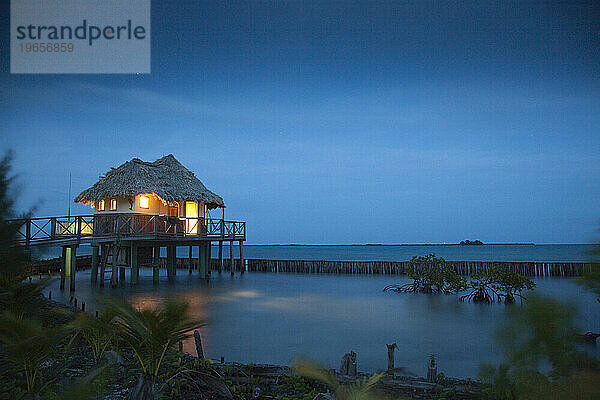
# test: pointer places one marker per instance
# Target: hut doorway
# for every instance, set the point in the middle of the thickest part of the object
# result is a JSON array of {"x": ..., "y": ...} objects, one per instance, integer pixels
[{"x": 191, "y": 215}]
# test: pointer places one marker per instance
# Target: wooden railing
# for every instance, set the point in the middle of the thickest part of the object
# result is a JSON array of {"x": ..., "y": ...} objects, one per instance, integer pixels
[{"x": 33, "y": 231}]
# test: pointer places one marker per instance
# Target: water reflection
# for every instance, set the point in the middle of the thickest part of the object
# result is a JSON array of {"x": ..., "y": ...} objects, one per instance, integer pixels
[{"x": 270, "y": 318}]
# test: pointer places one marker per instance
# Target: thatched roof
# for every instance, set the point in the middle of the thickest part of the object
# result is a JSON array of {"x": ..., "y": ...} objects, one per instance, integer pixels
[{"x": 165, "y": 177}]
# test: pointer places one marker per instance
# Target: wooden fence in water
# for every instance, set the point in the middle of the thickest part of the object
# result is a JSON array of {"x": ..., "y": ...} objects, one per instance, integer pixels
[
  {"x": 541, "y": 269},
  {"x": 399, "y": 267}
]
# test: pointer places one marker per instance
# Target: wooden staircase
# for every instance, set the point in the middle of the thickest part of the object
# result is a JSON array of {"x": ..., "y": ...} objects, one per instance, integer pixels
[{"x": 109, "y": 263}]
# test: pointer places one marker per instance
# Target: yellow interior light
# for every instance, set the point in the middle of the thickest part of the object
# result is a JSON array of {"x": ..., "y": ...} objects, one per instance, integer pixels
[
  {"x": 144, "y": 202},
  {"x": 191, "y": 214}
]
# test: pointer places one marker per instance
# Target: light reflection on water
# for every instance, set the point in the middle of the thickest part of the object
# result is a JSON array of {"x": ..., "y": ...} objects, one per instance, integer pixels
[{"x": 272, "y": 318}]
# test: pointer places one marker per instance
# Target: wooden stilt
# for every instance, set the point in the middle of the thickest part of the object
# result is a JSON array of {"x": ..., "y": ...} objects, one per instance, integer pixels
[
  {"x": 156, "y": 264},
  {"x": 174, "y": 260},
  {"x": 201, "y": 263},
  {"x": 115, "y": 260},
  {"x": 171, "y": 262},
  {"x": 63, "y": 270},
  {"x": 231, "y": 260},
  {"x": 134, "y": 264},
  {"x": 95, "y": 262},
  {"x": 104, "y": 260},
  {"x": 121, "y": 277},
  {"x": 242, "y": 266},
  {"x": 73, "y": 268},
  {"x": 137, "y": 270},
  {"x": 127, "y": 261},
  {"x": 220, "y": 267},
  {"x": 208, "y": 256},
  {"x": 190, "y": 259}
]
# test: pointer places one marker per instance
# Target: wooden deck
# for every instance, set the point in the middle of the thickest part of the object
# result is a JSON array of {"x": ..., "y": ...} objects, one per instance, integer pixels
[
  {"x": 103, "y": 228},
  {"x": 116, "y": 240}
]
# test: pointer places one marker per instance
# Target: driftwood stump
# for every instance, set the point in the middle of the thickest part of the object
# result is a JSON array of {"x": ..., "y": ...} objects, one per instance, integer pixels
[
  {"x": 590, "y": 337},
  {"x": 390, "y": 350},
  {"x": 348, "y": 365},
  {"x": 431, "y": 369},
  {"x": 198, "y": 341}
]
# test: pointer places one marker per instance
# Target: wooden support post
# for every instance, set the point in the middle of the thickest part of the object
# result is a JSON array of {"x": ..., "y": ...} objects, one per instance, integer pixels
[
  {"x": 103, "y": 261},
  {"x": 104, "y": 250},
  {"x": 135, "y": 270},
  {"x": 201, "y": 258},
  {"x": 242, "y": 266},
  {"x": 171, "y": 262},
  {"x": 128, "y": 261},
  {"x": 156, "y": 264},
  {"x": 174, "y": 260},
  {"x": 231, "y": 260},
  {"x": 220, "y": 267},
  {"x": 28, "y": 233},
  {"x": 206, "y": 259},
  {"x": 95, "y": 260},
  {"x": 73, "y": 268},
  {"x": 63, "y": 270},
  {"x": 190, "y": 260},
  {"x": 208, "y": 252},
  {"x": 115, "y": 258}
]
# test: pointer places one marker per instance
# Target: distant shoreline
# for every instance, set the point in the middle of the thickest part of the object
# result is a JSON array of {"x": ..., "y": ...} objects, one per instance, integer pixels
[{"x": 416, "y": 244}]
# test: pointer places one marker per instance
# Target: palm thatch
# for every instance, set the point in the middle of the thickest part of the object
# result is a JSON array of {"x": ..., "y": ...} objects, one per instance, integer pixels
[{"x": 165, "y": 178}]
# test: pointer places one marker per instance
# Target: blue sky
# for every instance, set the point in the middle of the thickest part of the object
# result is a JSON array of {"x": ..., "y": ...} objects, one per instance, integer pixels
[{"x": 341, "y": 122}]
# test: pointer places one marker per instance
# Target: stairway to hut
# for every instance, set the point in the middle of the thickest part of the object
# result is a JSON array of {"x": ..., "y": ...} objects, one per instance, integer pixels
[{"x": 113, "y": 264}]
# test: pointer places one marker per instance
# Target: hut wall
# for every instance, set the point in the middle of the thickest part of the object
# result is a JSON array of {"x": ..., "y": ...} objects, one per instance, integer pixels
[
  {"x": 123, "y": 206},
  {"x": 155, "y": 206}
]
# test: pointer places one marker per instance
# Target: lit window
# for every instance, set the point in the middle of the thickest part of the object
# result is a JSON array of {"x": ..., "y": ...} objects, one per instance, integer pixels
[
  {"x": 113, "y": 204},
  {"x": 144, "y": 202},
  {"x": 191, "y": 217},
  {"x": 101, "y": 206}
]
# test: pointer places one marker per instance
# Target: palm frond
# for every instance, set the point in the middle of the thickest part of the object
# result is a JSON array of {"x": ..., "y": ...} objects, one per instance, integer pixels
[
  {"x": 151, "y": 332},
  {"x": 360, "y": 390},
  {"x": 27, "y": 344},
  {"x": 310, "y": 369}
]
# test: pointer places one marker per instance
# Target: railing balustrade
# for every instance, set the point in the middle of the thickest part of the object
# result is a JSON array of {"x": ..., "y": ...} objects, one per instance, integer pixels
[{"x": 87, "y": 227}]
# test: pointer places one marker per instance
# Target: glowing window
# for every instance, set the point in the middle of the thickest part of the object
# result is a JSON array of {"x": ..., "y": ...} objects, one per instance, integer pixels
[
  {"x": 113, "y": 204},
  {"x": 101, "y": 206},
  {"x": 191, "y": 215},
  {"x": 144, "y": 202}
]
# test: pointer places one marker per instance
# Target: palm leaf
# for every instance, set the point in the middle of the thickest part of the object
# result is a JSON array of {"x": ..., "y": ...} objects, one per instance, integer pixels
[
  {"x": 360, "y": 390},
  {"x": 152, "y": 332}
]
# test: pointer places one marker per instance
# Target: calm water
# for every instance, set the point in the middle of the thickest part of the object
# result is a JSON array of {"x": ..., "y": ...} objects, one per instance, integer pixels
[
  {"x": 271, "y": 318},
  {"x": 541, "y": 253}
]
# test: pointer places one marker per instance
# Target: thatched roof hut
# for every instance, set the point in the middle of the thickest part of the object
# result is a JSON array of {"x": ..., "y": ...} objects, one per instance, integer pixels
[{"x": 164, "y": 178}]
